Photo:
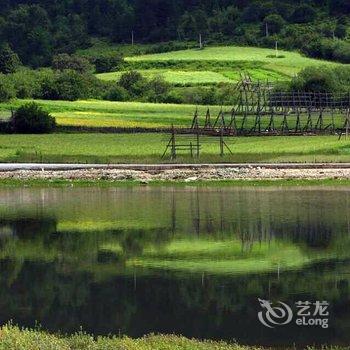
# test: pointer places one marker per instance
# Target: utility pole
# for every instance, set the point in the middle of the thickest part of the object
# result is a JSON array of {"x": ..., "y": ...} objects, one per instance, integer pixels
[{"x": 276, "y": 48}]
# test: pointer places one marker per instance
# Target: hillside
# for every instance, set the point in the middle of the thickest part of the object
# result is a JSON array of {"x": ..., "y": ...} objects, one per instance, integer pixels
[
  {"x": 218, "y": 64},
  {"x": 37, "y": 31}
]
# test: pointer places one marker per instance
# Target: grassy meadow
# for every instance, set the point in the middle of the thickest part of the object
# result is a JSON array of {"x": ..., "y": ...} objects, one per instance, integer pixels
[
  {"x": 14, "y": 338},
  {"x": 176, "y": 77},
  {"x": 116, "y": 114},
  {"x": 148, "y": 147},
  {"x": 261, "y": 63},
  {"x": 291, "y": 61},
  {"x": 95, "y": 113},
  {"x": 211, "y": 65}
]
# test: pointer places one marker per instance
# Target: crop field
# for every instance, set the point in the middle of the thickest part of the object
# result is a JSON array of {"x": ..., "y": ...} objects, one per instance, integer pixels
[
  {"x": 116, "y": 114},
  {"x": 94, "y": 113},
  {"x": 202, "y": 77},
  {"x": 177, "y": 77},
  {"x": 148, "y": 147}
]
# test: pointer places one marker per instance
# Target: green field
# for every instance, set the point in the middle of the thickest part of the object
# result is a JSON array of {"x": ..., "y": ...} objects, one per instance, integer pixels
[
  {"x": 129, "y": 148},
  {"x": 214, "y": 64},
  {"x": 176, "y": 77},
  {"x": 201, "y": 77},
  {"x": 229, "y": 61},
  {"x": 96, "y": 113},
  {"x": 116, "y": 114},
  {"x": 289, "y": 64}
]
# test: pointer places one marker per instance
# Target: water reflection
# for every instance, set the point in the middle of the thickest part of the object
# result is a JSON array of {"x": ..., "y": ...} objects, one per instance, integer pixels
[{"x": 186, "y": 260}]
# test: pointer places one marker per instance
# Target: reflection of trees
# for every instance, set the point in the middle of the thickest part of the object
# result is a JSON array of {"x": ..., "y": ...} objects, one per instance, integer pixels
[
  {"x": 38, "y": 239},
  {"x": 316, "y": 234},
  {"x": 215, "y": 307}
]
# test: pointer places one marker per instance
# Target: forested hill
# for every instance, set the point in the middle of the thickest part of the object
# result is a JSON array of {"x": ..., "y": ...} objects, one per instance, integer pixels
[{"x": 38, "y": 29}]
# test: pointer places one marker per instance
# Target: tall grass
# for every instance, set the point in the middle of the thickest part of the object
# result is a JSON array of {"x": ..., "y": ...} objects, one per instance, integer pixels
[{"x": 14, "y": 338}]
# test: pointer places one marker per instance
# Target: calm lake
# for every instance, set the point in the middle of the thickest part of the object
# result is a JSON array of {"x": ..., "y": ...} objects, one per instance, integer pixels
[{"x": 187, "y": 260}]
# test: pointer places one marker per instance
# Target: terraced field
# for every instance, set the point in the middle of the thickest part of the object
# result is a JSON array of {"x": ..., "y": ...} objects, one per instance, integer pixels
[{"x": 217, "y": 64}]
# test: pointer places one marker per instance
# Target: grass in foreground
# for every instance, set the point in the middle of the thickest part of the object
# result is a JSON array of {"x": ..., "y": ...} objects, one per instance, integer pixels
[
  {"x": 148, "y": 148},
  {"x": 14, "y": 338}
]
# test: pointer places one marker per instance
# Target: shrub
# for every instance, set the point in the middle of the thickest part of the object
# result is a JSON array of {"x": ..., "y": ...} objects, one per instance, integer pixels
[
  {"x": 76, "y": 63},
  {"x": 7, "y": 90},
  {"x": 340, "y": 31},
  {"x": 343, "y": 76},
  {"x": 71, "y": 86},
  {"x": 157, "y": 90},
  {"x": 337, "y": 50},
  {"x": 314, "y": 48},
  {"x": 174, "y": 97},
  {"x": 27, "y": 83},
  {"x": 323, "y": 79},
  {"x": 9, "y": 60},
  {"x": 31, "y": 118},
  {"x": 133, "y": 82},
  {"x": 107, "y": 63},
  {"x": 315, "y": 79},
  {"x": 116, "y": 93},
  {"x": 342, "y": 52}
]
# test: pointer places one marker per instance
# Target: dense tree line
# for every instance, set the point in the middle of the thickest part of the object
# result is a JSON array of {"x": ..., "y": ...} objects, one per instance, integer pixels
[{"x": 36, "y": 30}]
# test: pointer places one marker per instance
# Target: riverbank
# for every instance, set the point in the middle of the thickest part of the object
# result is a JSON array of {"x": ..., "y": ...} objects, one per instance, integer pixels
[{"x": 175, "y": 173}]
